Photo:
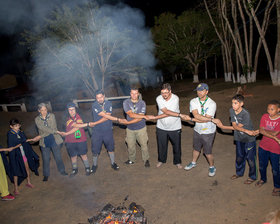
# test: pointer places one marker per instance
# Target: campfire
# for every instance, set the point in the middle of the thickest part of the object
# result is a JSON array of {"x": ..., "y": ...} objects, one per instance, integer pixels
[{"x": 111, "y": 215}]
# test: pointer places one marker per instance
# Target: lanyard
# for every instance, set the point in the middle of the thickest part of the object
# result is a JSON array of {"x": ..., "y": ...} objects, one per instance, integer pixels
[
  {"x": 102, "y": 106},
  {"x": 202, "y": 105},
  {"x": 77, "y": 134}
]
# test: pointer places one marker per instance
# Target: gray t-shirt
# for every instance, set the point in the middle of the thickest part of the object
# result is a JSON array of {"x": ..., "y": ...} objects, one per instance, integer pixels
[
  {"x": 242, "y": 118},
  {"x": 137, "y": 108}
]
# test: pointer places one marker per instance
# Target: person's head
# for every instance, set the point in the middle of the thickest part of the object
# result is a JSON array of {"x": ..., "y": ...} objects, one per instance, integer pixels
[
  {"x": 274, "y": 217},
  {"x": 237, "y": 102},
  {"x": 71, "y": 107},
  {"x": 15, "y": 124},
  {"x": 202, "y": 90},
  {"x": 100, "y": 96},
  {"x": 166, "y": 91},
  {"x": 273, "y": 108},
  {"x": 134, "y": 94},
  {"x": 42, "y": 108}
]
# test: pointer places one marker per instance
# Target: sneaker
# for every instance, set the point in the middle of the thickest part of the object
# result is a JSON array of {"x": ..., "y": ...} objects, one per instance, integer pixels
[
  {"x": 115, "y": 166},
  {"x": 9, "y": 197},
  {"x": 45, "y": 178},
  {"x": 190, "y": 166},
  {"x": 73, "y": 173},
  {"x": 129, "y": 162},
  {"x": 147, "y": 163},
  {"x": 88, "y": 171},
  {"x": 64, "y": 173},
  {"x": 93, "y": 169},
  {"x": 212, "y": 171}
]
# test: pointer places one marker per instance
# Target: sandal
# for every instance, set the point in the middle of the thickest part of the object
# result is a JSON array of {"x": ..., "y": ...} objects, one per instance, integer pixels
[
  {"x": 29, "y": 185},
  {"x": 249, "y": 181},
  {"x": 234, "y": 177},
  {"x": 260, "y": 183},
  {"x": 159, "y": 164},
  {"x": 276, "y": 192},
  {"x": 179, "y": 166}
]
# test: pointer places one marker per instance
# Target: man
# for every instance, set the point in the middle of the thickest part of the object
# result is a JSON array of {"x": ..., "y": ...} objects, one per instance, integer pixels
[
  {"x": 203, "y": 109},
  {"x": 168, "y": 125},
  {"x": 102, "y": 129},
  {"x": 136, "y": 131}
]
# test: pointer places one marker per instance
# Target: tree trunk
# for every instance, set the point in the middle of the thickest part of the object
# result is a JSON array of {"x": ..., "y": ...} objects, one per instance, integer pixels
[
  {"x": 195, "y": 75},
  {"x": 206, "y": 72},
  {"x": 276, "y": 75}
]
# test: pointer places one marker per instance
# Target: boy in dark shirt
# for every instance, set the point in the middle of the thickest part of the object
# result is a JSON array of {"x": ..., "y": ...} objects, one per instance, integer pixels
[{"x": 244, "y": 137}]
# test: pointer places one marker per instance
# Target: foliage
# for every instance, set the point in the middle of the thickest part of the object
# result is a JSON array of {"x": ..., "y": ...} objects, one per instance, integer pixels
[{"x": 186, "y": 39}]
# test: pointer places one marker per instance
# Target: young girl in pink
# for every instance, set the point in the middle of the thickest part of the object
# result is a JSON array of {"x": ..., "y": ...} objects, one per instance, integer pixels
[{"x": 23, "y": 158}]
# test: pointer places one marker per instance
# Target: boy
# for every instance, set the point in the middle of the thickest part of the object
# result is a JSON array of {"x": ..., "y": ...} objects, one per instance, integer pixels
[
  {"x": 244, "y": 137},
  {"x": 269, "y": 147},
  {"x": 5, "y": 195}
]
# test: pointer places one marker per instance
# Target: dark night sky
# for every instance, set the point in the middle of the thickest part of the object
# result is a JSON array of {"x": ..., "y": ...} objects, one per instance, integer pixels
[{"x": 9, "y": 47}]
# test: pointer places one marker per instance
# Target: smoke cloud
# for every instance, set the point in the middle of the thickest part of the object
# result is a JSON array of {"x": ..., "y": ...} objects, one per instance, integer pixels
[{"x": 125, "y": 26}]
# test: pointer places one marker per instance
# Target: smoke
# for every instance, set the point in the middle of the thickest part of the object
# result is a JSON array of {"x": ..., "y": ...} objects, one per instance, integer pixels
[
  {"x": 62, "y": 64},
  {"x": 16, "y": 15}
]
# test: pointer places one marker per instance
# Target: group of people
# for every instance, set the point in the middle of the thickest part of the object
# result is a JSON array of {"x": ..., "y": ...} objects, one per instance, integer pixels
[{"x": 168, "y": 128}]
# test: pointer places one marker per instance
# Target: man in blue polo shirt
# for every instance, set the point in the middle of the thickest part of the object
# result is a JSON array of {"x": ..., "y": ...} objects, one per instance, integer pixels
[
  {"x": 136, "y": 131},
  {"x": 102, "y": 131}
]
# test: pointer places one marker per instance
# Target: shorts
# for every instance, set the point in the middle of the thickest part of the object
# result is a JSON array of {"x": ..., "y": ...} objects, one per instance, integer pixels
[
  {"x": 76, "y": 149},
  {"x": 98, "y": 138},
  {"x": 203, "y": 140}
]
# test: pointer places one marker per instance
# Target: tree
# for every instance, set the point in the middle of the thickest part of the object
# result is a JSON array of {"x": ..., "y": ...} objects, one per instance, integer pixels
[
  {"x": 90, "y": 45},
  {"x": 238, "y": 16},
  {"x": 274, "y": 70},
  {"x": 186, "y": 38}
]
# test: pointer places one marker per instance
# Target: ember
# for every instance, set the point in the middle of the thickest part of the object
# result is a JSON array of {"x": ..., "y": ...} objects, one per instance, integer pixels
[{"x": 111, "y": 215}]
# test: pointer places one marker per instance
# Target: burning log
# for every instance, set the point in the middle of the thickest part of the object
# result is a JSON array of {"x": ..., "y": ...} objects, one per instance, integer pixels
[{"x": 120, "y": 215}]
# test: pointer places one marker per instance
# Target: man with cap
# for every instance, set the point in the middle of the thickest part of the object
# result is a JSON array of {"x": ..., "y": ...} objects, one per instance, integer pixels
[
  {"x": 203, "y": 108},
  {"x": 102, "y": 131},
  {"x": 75, "y": 139}
]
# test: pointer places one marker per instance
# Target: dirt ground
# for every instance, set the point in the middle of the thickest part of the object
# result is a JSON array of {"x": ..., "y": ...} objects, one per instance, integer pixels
[{"x": 168, "y": 195}]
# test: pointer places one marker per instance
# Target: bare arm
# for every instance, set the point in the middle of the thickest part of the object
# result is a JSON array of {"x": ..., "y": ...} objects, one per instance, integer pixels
[
  {"x": 35, "y": 139},
  {"x": 136, "y": 117},
  {"x": 10, "y": 148},
  {"x": 269, "y": 134},
  {"x": 169, "y": 112},
  {"x": 240, "y": 128},
  {"x": 200, "y": 118},
  {"x": 220, "y": 124}
]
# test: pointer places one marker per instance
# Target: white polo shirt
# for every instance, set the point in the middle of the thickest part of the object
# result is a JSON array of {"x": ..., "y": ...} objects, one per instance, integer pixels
[
  {"x": 169, "y": 123},
  {"x": 210, "y": 109}
]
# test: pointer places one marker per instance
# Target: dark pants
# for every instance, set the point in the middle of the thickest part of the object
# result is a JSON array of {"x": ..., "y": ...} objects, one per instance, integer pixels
[
  {"x": 246, "y": 151},
  {"x": 162, "y": 142},
  {"x": 264, "y": 157},
  {"x": 46, "y": 155}
]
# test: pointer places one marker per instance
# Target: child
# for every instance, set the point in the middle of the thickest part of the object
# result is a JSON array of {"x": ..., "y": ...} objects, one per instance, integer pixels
[
  {"x": 243, "y": 137},
  {"x": 5, "y": 195},
  {"x": 75, "y": 139},
  {"x": 269, "y": 147},
  {"x": 274, "y": 217},
  {"x": 22, "y": 158}
]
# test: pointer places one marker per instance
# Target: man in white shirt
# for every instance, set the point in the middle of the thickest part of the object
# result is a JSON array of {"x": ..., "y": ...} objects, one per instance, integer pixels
[
  {"x": 168, "y": 125},
  {"x": 203, "y": 109}
]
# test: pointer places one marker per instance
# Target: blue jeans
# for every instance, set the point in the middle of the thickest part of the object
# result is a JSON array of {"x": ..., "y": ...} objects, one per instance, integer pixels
[
  {"x": 46, "y": 155},
  {"x": 264, "y": 157},
  {"x": 246, "y": 151}
]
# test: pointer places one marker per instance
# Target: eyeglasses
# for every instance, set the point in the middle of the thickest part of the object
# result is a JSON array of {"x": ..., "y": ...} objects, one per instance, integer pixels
[{"x": 165, "y": 92}]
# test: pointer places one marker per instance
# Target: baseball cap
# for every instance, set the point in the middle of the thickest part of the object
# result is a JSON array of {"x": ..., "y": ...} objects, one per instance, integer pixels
[
  {"x": 201, "y": 86},
  {"x": 71, "y": 104}
]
